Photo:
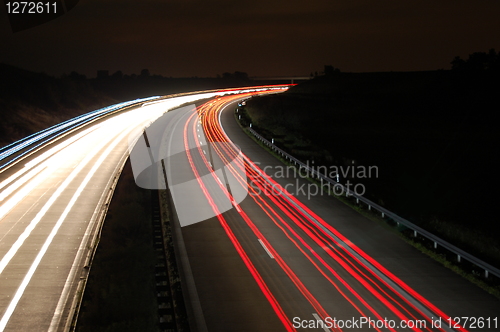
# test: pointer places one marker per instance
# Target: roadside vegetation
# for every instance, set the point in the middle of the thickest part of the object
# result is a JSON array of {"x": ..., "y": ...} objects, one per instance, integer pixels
[{"x": 432, "y": 136}]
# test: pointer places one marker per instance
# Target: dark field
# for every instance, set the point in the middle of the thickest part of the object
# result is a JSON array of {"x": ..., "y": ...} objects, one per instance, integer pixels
[
  {"x": 121, "y": 293},
  {"x": 432, "y": 135}
]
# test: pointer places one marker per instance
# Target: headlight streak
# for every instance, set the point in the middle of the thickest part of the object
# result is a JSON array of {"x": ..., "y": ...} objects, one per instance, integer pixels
[
  {"x": 26, "y": 233},
  {"x": 81, "y": 119},
  {"x": 154, "y": 109},
  {"x": 55, "y": 156},
  {"x": 7, "y": 206},
  {"x": 57, "y": 131},
  {"x": 30, "y": 166},
  {"x": 108, "y": 133},
  {"x": 325, "y": 241},
  {"x": 67, "y": 155},
  {"x": 53, "y": 233},
  {"x": 52, "y": 159}
]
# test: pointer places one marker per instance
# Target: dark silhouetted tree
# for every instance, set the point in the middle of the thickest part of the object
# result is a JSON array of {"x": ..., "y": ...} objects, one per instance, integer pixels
[
  {"x": 117, "y": 75},
  {"x": 237, "y": 75},
  {"x": 242, "y": 76},
  {"x": 76, "y": 76},
  {"x": 457, "y": 63},
  {"x": 330, "y": 70},
  {"x": 102, "y": 73},
  {"x": 478, "y": 61}
]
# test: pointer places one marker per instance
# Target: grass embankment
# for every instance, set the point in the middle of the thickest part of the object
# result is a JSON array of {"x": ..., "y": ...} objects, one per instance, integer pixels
[
  {"x": 121, "y": 294},
  {"x": 430, "y": 134}
]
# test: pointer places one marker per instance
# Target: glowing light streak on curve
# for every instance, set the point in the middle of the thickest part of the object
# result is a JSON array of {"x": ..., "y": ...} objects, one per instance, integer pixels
[
  {"x": 257, "y": 277},
  {"x": 300, "y": 286},
  {"x": 347, "y": 241}
]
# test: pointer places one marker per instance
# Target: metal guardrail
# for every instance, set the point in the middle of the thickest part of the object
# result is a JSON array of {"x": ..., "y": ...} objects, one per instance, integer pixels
[{"x": 461, "y": 254}]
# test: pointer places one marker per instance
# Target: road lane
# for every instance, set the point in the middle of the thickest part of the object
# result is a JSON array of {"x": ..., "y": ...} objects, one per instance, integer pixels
[
  {"x": 228, "y": 293},
  {"x": 256, "y": 266},
  {"x": 49, "y": 220},
  {"x": 282, "y": 278},
  {"x": 303, "y": 266},
  {"x": 448, "y": 291},
  {"x": 35, "y": 269}
]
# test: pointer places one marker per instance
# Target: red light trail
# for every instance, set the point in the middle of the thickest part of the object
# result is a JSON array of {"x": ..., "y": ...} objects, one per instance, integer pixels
[{"x": 300, "y": 225}]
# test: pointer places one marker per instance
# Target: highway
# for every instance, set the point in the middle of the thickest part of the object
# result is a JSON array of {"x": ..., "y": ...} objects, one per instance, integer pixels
[
  {"x": 54, "y": 190},
  {"x": 256, "y": 257},
  {"x": 308, "y": 259}
]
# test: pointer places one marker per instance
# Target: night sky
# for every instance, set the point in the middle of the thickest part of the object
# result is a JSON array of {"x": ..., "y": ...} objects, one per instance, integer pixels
[{"x": 203, "y": 38}]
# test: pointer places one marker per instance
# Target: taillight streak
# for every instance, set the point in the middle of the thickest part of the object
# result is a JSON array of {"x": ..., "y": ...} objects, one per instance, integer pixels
[
  {"x": 212, "y": 127},
  {"x": 296, "y": 281},
  {"x": 246, "y": 260}
]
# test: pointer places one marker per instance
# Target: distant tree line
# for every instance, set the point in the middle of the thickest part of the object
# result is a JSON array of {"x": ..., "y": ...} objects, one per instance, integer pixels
[
  {"x": 237, "y": 75},
  {"x": 122, "y": 86},
  {"x": 145, "y": 74},
  {"x": 328, "y": 70},
  {"x": 477, "y": 62},
  {"x": 331, "y": 70}
]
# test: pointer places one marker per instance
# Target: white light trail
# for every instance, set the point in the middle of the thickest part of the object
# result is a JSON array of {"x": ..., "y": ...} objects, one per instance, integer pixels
[{"x": 79, "y": 150}]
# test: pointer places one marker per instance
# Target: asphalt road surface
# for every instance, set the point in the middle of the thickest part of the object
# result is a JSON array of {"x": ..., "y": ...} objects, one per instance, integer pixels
[
  {"x": 255, "y": 256},
  {"x": 54, "y": 191},
  {"x": 278, "y": 261}
]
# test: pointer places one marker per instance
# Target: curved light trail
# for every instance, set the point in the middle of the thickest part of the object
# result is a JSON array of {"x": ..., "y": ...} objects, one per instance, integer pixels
[
  {"x": 323, "y": 246},
  {"x": 55, "y": 184}
]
